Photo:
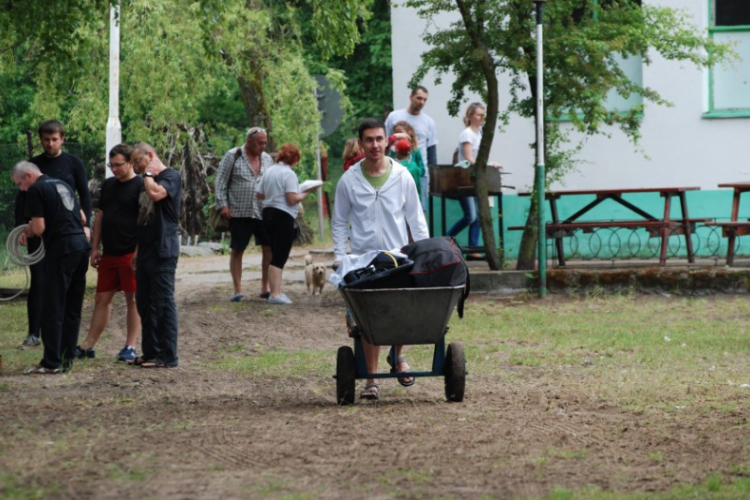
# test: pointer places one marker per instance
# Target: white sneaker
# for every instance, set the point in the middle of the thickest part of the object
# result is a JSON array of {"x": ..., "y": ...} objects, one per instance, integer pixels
[{"x": 281, "y": 299}]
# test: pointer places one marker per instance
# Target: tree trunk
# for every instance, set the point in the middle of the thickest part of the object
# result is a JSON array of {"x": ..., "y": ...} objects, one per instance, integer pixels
[
  {"x": 306, "y": 233},
  {"x": 473, "y": 29},
  {"x": 527, "y": 247},
  {"x": 251, "y": 92}
]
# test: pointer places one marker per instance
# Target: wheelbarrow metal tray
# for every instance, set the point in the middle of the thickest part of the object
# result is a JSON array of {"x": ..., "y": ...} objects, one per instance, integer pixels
[{"x": 402, "y": 315}]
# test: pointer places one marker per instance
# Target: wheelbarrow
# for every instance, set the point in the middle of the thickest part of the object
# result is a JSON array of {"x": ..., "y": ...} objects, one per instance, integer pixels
[{"x": 400, "y": 316}]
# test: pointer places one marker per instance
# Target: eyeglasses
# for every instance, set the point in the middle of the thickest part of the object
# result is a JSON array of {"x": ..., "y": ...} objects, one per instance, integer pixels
[
  {"x": 138, "y": 160},
  {"x": 116, "y": 165}
]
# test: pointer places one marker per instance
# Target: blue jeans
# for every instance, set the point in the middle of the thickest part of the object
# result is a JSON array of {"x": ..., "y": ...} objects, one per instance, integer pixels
[
  {"x": 154, "y": 298},
  {"x": 469, "y": 206}
]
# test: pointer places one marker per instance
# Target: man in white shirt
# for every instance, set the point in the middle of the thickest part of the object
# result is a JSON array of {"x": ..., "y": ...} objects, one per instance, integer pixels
[
  {"x": 425, "y": 128},
  {"x": 376, "y": 199}
]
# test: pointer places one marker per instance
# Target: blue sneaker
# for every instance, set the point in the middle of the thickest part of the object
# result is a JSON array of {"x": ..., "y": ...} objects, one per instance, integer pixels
[{"x": 127, "y": 354}]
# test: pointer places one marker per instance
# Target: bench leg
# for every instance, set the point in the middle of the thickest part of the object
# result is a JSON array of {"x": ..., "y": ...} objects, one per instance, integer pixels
[
  {"x": 664, "y": 233},
  {"x": 688, "y": 229},
  {"x": 730, "y": 248}
]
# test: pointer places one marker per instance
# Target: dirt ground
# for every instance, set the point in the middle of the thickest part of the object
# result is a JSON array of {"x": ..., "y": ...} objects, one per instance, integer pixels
[{"x": 112, "y": 431}]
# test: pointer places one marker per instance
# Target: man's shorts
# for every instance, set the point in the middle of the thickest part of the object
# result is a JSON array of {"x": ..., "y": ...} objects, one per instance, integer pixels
[
  {"x": 116, "y": 273},
  {"x": 242, "y": 228}
]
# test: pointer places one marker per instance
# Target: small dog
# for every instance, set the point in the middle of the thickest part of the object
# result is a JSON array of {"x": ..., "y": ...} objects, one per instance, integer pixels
[{"x": 315, "y": 276}]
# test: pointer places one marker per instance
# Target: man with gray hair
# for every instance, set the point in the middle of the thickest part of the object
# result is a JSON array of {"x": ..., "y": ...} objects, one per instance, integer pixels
[
  {"x": 156, "y": 258},
  {"x": 55, "y": 215},
  {"x": 237, "y": 179}
]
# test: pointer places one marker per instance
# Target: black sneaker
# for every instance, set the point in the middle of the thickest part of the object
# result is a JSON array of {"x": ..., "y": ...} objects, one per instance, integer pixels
[{"x": 80, "y": 353}]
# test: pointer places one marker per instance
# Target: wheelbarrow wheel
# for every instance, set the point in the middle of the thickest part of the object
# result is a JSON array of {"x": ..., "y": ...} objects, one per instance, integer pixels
[
  {"x": 345, "y": 376},
  {"x": 455, "y": 373}
]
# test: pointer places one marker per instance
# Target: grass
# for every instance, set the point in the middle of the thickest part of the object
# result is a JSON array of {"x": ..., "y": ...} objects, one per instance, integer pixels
[
  {"x": 633, "y": 347},
  {"x": 638, "y": 353},
  {"x": 13, "y": 489},
  {"x": 713, "y": 488}
]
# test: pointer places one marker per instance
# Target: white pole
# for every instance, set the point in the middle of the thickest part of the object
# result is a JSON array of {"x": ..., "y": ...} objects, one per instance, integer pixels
[
  {"x": 540, "y": 169},
  {"x": 114, "y": 129}
]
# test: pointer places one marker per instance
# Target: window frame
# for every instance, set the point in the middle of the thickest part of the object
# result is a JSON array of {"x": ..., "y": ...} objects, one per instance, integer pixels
[{"x": 712, "y": 30}]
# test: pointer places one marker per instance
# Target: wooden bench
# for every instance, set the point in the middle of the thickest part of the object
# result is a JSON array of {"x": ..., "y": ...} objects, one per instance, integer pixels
[
  {"x": 731, "y": 230},
  {"x": 655, "y": 228}
]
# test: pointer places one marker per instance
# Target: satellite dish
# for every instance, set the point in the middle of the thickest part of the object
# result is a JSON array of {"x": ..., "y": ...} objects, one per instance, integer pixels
[{"x": 329, "y": 105}]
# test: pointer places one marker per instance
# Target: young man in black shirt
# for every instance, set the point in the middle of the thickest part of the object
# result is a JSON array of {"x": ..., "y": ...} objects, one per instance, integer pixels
[
  {"x": 56, "y": 216},
  {"x": 156, "y": 258},
  {"x": 55, "y": 163},
  {"x": 116, "y": 231}
]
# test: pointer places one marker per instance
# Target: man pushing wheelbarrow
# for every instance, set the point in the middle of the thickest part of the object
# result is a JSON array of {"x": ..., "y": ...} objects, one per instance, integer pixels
[{"x": 377, "y": 207}]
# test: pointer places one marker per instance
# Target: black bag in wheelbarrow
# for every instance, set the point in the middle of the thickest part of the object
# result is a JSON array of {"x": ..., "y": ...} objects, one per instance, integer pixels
[
  {"x": 384, "y": 271},
  {"x": 439, "y": 262}
]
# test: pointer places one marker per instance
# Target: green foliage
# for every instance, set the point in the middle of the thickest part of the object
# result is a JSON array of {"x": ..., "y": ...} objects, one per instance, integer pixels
[
  {"x": 334, "y": 25},
  {"x": 368, "y": 82},
  {"x": 223, "y": 65},
  {"x": 580, "y": 48}
]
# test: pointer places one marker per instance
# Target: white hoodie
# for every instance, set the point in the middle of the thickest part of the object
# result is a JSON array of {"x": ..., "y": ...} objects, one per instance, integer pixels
[{"x": 376, "y": 220}]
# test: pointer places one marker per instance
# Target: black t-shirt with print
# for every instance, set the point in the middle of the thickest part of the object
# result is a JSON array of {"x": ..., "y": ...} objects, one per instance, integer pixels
[
  {"x": 159, "y": 223},
  {"x": 70, "y": 169},
  {"x": 119, "y": 208},
  {"x": 54, "y": 200}
]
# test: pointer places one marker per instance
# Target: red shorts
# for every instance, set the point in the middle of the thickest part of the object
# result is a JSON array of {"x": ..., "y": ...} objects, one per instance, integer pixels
[{"x": 116, "y": 273}]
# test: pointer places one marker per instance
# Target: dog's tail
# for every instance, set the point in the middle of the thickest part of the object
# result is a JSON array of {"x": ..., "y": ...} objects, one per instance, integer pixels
[{"x": 308, "y": 259}]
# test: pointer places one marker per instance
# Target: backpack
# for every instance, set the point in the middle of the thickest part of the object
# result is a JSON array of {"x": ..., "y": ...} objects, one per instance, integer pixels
[
  {"x": 384, "y": 271},
  {"x": 439, "y": 262}
]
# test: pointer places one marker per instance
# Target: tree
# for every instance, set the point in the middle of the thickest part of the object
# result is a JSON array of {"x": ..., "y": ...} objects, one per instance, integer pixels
[
  {"x": 582, "y": 40},
  {"x": 187, "y": 68}
]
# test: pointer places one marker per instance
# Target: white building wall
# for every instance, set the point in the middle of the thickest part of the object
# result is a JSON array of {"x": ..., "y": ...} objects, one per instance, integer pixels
[{"x": 678, "y": 147}]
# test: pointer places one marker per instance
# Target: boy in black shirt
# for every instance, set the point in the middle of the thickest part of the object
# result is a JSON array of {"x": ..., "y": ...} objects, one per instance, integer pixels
[
  {"x": 56, "y": 216},
  {"x": 116, "y": 230},
  {"x": 156, "y": 258}
]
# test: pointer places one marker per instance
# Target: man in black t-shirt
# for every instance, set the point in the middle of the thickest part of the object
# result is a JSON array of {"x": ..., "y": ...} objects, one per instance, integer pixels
[
  {"x": 156, "y": 258},
  {"x": 116, "y": 231},
  {"x": 57, "y": 164},
  {"x": 56, "y": 216}
]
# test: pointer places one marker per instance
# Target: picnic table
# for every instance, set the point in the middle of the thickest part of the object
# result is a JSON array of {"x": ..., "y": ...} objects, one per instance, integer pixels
[
  {"x": 734, "y": 227},
  {"x": 662, "y": 226}
]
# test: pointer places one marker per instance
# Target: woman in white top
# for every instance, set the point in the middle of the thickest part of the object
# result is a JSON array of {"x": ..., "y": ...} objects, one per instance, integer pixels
[
  {"x": 279, "y": 190},
  {"x": 468, "y": 146}
]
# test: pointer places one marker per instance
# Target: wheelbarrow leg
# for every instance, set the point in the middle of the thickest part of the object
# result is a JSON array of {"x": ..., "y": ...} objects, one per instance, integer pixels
[
  {"x": 438, "y": 358},
  {"x": 359, "y": 357}
]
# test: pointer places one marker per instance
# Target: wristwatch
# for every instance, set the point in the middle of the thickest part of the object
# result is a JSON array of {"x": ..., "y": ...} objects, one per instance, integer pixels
[{"x": 148, "y": 174}]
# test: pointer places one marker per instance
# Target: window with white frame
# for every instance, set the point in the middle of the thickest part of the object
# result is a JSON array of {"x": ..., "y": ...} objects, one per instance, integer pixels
[{"x": 729, "y": 85}]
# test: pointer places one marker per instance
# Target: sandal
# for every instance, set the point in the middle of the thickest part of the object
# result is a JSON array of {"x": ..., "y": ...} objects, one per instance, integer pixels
[
  {"x": 157, "y": 363},
  {"x": 371, "y": 391},
  {"x": 404, "y": 381},
  {"x": 139, "y": 361}
]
